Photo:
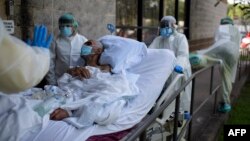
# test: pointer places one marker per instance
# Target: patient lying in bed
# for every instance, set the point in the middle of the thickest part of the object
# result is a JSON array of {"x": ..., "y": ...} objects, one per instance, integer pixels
[
  {"x": 92, "y": 59},
  {"x": 129, "y": 98},
  {"x": 98, "y": 95}
]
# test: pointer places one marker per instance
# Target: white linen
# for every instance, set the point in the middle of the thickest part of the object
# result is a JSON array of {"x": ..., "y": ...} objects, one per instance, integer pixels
[
  {"x": 121, "y": 53},
  {"x": 17, "y": 117},
  {"x": 153, "y": 74},
  {"x": 99, "y": 99}
]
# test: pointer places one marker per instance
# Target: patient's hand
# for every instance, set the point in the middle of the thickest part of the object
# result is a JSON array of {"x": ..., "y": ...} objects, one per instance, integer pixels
[
  {"x": 81, "y": 72},
  {"x": 59, "y": 114}
]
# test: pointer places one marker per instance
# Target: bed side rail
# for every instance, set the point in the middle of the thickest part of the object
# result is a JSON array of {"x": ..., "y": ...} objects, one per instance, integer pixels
[
  {"x": 149, "y": 119},
  {"x": 170, "y": 90}
]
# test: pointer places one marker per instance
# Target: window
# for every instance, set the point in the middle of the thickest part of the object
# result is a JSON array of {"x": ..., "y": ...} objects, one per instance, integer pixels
[
  {"x": 169, "y": 7},
  {"x": 151, "y": 10},
  {"x": 126, "y": 21},
  {"x": 139, "y": 19},
  {"x": 181, "y": 16}
]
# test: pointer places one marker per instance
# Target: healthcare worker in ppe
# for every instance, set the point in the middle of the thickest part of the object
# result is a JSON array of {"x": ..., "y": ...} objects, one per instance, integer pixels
[
  {"x": 67, "y": 49},
  {"x": 226, "y": 51},
  {"x": 22, "y": 66},
  {"x": 177, "y": 42}
]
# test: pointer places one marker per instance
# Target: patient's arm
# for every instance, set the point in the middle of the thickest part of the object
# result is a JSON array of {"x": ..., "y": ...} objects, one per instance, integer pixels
[
  {"x": 81, "y": 72},
  {"x": 59, "y": 114}
]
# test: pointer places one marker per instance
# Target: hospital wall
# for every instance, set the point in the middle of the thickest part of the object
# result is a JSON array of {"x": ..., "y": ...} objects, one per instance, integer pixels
[
  {"x": 2, "y": 7},
  {"x": 92, "y": 15},
  {"x": 204, "y": 20}
]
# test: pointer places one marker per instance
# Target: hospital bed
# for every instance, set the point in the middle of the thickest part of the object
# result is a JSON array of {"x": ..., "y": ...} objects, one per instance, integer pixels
[
  {"x": 156, "y": 130},
  {"x": 153, "y": 74}
]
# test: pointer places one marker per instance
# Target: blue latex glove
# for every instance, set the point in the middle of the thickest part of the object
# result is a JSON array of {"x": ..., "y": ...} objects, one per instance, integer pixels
[
  {"x": 194, "y": 59},
  {"x": 178, "y": 69},
  {"x": 111, "y": 28},
  {"x": 40, "y": 38}
]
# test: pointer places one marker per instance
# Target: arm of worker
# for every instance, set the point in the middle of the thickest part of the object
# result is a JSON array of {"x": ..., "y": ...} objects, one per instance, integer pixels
[
  {"x": 182, "y": 53},
  {"x": 22, "y": 67}
]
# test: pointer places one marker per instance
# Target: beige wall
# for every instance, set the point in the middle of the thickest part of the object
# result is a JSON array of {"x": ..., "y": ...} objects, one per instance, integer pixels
[
  {"x": 204, "y": 20},
  {"x": 92, "y": 15}
]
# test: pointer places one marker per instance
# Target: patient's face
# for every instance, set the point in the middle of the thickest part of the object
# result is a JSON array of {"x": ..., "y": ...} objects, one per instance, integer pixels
[{"x": 96, "y": 49}]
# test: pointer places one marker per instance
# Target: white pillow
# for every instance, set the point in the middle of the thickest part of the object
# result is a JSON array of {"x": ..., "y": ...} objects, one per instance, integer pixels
[{"x": 121, "y": 53}]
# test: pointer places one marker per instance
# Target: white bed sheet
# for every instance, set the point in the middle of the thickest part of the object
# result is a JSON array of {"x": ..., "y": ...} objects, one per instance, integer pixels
[{"x": 154, "y": 70}]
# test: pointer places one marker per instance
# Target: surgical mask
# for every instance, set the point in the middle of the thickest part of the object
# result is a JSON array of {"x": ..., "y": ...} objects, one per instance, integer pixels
[
  {"x": 66, "y": 31},
  {"x": 166, "y": 32},
  {"x": 86, "y": 50}
]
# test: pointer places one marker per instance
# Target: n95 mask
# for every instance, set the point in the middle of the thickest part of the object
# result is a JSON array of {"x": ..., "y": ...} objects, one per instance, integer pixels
[{"x": 166, "y": 32}]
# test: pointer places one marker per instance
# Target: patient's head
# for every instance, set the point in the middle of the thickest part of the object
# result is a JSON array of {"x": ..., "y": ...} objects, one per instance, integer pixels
[{"x": 91, "y": 51}]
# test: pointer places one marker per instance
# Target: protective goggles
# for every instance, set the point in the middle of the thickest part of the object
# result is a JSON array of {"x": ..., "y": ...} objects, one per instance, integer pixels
[{"x": 165, "y": 23}]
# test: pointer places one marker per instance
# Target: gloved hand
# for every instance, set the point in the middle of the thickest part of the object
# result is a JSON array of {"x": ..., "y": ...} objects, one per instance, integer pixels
[
  {"x": 194, "y": 59},
  {"x": 111, "y": 28},
  {"x": 178, "y": 69},
  {"x": 40, "y": 38}
]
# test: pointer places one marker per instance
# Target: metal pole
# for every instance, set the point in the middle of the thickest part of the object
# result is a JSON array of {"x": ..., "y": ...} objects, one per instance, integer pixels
[
  {"x": 215, "y": 101},
  {"x": 187, "y": 17},
  {"x": 211, "y": 80},
  {"x": 191, "y": 109},
  {"x": 25, "y": 20},
  {"x": 176, "y": 11},
  {"x": 176, "y": 117},
  {"x": 239, "y": 65},
  {"x": 245, "y": 61},
  {"x": 161, "y": 9},
  {"x": 139, "y": 19}
]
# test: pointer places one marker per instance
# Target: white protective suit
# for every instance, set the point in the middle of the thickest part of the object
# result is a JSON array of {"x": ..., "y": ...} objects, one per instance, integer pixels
[
  {"x": 177, "y": 42},
  {"x": 64, "y": 54},
  {"x": 21, "y": 66},
  {"x": 225, "y": 49}
]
